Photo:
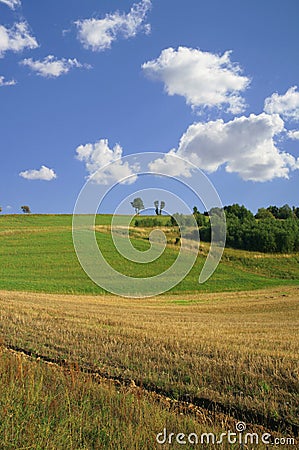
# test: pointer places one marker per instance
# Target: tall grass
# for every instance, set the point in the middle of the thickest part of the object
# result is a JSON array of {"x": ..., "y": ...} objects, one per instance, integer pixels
[{"x": 46, "y": 408}]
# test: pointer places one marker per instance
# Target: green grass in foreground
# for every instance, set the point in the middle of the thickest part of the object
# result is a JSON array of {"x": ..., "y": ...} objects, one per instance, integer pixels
[{"x": 37, "y": 254}]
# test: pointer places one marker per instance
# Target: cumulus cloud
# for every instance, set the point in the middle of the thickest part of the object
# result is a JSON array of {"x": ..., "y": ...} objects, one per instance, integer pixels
[
  {"x": 44, "y": 173},
  {"x": 171, "y": 165},
  {"x": 16, "y": 38},
  {"x": 287, "y": 105},
  {"x": 11, "y": 3},
  {"x": 51, "y": 66},
  {"x": 6, "y": 83},
  {"x": 245, "y": 145},
  {"x": 293, "y": 134},
  {"x": 98, "y": 34},
  {"x": 97, "y": 155},
  {"x": 204, "y": 79}
]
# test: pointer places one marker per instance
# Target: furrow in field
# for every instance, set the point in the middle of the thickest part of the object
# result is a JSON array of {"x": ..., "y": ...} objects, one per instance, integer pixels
[{"x": 199, "y": 407}]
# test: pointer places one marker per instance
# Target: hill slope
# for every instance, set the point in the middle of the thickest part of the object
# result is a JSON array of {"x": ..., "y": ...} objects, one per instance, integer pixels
[{"x": 37, "y": 254}]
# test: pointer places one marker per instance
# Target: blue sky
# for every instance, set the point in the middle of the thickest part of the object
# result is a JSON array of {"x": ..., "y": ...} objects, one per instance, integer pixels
[{"x": 82, "y": 83}]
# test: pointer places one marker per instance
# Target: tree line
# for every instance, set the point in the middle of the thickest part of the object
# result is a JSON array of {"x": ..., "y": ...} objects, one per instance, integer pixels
[{"x": 273, "y": 229}]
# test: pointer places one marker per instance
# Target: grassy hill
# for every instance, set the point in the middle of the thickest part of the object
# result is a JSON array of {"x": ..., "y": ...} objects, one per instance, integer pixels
[{"x": 37, "y": 254}]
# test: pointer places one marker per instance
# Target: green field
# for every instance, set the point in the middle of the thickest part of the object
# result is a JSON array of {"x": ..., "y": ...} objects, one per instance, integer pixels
[{"x": 37, "y": 254}]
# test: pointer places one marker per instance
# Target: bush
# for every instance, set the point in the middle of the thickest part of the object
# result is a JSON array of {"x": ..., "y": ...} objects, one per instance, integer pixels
[{"x": 148, "y": 222}]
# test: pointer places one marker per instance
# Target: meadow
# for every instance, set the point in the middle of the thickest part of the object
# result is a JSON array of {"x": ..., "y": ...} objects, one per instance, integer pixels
[
  {"x": 37, "y": 254},
  {"x": 82, "y": 369}
]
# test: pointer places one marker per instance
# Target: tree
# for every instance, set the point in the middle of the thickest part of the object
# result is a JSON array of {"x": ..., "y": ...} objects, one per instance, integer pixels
[
  {"x": 157, "y": 209},
  {"x": 274, "y": 210},
  {"x": 296, "y": 212},
  {"x": 200, "y": 218},
  {"x": 137, "y": 204},
  {"x": 263, "y": 214},
  {"x": 238, "y": 211},
  {"x": 156, "y": 203},
  {"x": 285, "y": 212},
  {"x": 0, "y": 209},
  {"x": 25, "y": 209}
]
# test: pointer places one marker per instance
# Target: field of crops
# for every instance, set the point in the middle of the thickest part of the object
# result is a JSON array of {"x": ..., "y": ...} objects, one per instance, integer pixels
[{"x": 82, "y": 369}]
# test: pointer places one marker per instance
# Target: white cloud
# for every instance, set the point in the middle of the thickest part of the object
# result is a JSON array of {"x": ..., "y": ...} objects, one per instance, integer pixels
[
  {"x": 51, "y": 66},
  {"x": 245, "y": 146},
  {"x": 11, "y": 3},
  {"x": 170, "y": 165},
  {"x": 44, "y": 173},
  {"x": 6, "y": 83},
  {"x": 293, "y": 134},
  {"x": 204, "y": 79},
  {"x": 97, "y": 155},
  {"x": 287, "y": 105},
  {"x": 16, "y": 38},
  {"x": 98, "y": 34}
]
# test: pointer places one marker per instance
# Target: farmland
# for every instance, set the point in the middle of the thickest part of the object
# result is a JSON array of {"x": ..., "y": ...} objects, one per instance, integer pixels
[
  {"x": 81, "y": 368},
  {"x": 37, "y": 254}
]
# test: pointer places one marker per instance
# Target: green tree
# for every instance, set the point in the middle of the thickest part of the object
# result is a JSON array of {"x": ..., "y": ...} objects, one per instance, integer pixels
[
  {"x": 285, "y": 212},
  {"x": 137, "y": 204},
  {"x": 25, "y": 209},
  {"x": 296, "y": 212},
  {"x": 274, "y": 210},
  {"x": 263, "y": 214},
  {"x": 157, "y": 209},
  {"x": 240, "y": 212}
]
